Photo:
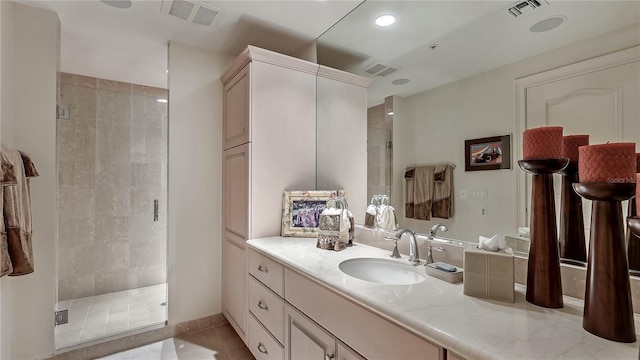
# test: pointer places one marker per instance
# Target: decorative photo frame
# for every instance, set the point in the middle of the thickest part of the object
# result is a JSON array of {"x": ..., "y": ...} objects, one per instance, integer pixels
[
  {"x": 301, "y": 211},
  {"x": 490, "y": 153}
]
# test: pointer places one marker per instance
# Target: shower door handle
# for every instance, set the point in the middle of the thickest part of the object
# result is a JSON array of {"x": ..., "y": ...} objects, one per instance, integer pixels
[{"x": 155, "y": 210}]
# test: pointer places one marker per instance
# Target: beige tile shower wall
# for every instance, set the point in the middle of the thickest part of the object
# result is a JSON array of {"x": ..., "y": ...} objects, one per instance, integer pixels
[{"x": 112, "y": 159}]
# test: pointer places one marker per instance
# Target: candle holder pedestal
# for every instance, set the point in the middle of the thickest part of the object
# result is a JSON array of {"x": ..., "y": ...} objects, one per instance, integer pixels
[
  {"x": 608, "y": 310},
  {"x": 633, "y": 239},
  {"x": 544, "y": 284},
  {"x": 571, "y": 235}
]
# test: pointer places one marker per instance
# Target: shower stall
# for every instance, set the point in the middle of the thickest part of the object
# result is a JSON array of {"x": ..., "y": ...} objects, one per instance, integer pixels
[
  {"x": 112, "y": 195},
  {"x": 380, "y": 149}
]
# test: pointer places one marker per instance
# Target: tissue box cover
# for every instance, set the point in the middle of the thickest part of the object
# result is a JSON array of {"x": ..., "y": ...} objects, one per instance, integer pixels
[{"x": 489, "y": 274}]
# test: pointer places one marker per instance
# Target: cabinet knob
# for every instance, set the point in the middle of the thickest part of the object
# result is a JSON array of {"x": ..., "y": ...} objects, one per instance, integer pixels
[
  {"x": 329, "y": 357},
  {"x": 244, "y": 130},
  {"x": 262, "y": 306},
  {"x": 262, "y": 349},
  {"x": 262, "y": 269}
]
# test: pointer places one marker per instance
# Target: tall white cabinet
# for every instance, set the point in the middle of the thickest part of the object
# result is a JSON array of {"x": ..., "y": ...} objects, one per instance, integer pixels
[
  {"x": 269, "y": 122},
  {"x": 271, "y": 106}
]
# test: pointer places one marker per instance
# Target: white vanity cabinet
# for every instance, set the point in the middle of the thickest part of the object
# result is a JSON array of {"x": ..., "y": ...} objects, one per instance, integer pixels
[
  {"x": 269, "y": 126},
  {"x": 372, "y": 336},
  {"x": 292, "y": 317}
]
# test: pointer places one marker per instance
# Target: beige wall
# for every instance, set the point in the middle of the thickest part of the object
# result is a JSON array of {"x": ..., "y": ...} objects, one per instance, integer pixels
[
  {"x": 437, "y": 122},
  {"x": 195, "y": 183},
  {"x": 28, "y": 301}
]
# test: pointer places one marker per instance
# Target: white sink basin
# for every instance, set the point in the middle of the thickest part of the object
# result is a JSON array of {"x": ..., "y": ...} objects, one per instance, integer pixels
[{"x": 382, "y": 271}]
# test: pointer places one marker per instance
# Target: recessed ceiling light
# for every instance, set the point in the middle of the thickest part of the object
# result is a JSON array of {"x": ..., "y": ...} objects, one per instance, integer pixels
[
  {"x": 162, "y": 100},
  {"x": 385, "y": 20},
  {"x": 390, "y": 113},
  {"x": 400, "y": 81},
  {"x": 120, "y": 4},
  {"x": 548, "y": 24}
]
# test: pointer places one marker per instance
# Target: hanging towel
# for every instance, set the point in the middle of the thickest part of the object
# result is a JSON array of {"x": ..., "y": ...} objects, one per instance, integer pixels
[
  {"x": 409, "y": 204},
  {"x": 17, "y": 214},
  {"x": 442, "y": 205},
  {"x": 423, "y": 191},
  {"x": 370, "y": 215},
  {"x": 388, "y": 218},
  {"x": 7, "y": 178}
]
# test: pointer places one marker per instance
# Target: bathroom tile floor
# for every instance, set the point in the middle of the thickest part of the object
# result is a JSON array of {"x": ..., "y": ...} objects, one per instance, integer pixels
[
  {"x": 220, "y": 343},
  {"x": 95, "y": 317}
]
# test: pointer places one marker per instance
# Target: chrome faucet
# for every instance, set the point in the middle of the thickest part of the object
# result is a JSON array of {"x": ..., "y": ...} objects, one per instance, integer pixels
[
  {"x": 434, "y": 230},
  {"x": 429, "y": 256},
  {"x": 414, "y": 257}
]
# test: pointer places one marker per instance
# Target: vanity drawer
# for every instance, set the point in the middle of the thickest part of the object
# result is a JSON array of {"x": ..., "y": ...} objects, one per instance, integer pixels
[
  {"x": 268, "y": 271},
  {"x": 267, "y": 307},
  {"x": 261, "y": 344}
]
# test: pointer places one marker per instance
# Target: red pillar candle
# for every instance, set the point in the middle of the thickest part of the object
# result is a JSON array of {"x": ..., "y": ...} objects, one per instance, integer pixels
[
  {"x": 570, "y": 145},
  {"x": 607, "y": 163},
  {"x": 542, "y": 143}
]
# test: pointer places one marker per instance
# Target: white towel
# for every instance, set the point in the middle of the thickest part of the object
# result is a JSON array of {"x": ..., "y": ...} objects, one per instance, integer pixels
[{"x": 387, "y": 218}]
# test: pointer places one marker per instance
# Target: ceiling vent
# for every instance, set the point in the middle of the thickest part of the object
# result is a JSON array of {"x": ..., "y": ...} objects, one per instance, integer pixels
[
  {"x": 380, "y": 69},
  {"x": 197, "y": 12},
  {"x": 525, "y": 7}
]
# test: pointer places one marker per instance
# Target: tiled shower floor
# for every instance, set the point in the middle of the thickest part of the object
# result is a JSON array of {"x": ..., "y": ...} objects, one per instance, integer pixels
[{"x": 99, "y": 316}]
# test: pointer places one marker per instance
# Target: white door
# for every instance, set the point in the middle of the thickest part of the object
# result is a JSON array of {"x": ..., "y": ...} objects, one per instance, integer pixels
[{"x": 604, "y": 104}]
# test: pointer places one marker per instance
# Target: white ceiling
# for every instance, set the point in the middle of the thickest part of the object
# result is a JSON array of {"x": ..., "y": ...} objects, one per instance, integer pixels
[
  {"x": 131, "y": 44},
  {"x": 473, "y": 36}
]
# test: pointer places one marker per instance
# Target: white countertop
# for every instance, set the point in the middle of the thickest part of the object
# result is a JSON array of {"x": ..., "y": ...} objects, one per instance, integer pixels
[{"x": 472, "y": 327}]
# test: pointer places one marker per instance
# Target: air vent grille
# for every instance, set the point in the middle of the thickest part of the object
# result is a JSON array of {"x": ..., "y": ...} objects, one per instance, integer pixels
[
  {"x": 205, "y": 16},
  {"x": 524, "y": 7},
  {"x": 380, "y": 69},
  {"x": 181, "y": 9},
  {"x": 194, "y": 11}
]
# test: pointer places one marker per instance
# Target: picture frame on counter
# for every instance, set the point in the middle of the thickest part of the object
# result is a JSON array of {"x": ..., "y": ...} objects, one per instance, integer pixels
[
  {"x": 301, "y": 211},
  {"x": 489, "y": 153}
]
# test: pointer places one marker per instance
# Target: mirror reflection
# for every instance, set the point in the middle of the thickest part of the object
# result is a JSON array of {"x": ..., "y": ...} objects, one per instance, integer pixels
[{"x": 451, "y": 72}]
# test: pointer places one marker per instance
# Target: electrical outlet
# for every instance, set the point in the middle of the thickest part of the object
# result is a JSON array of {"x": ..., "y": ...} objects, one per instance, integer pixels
[{"x": 484, "y": 212}]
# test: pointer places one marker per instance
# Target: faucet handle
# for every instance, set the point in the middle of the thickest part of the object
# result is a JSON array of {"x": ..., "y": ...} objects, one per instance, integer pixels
[{"x": 395, "y": 253}]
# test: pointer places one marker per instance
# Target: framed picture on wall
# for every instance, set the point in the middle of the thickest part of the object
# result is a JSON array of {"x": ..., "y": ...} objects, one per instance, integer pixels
[
  {"x": 301, "y": 211},
  {"x": 490, "y": 153}
]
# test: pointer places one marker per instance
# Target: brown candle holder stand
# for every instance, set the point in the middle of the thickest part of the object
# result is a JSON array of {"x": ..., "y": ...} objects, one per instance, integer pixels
[
  {"x": 544, "y": 284},
  {"x": 608, "y": 310},
  {"x": 633, "y": 239},
  {"x": 571, "y": 235}
]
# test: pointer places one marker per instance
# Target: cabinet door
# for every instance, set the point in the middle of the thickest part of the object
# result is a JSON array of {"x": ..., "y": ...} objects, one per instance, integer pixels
[
  {"x": 235, "y": 190},
  {"x": 236, "y": 110},
  {"x": 347, "y": 353},
  {"x": 305, "y": 339},
  {"x": 234, "y": 284}
]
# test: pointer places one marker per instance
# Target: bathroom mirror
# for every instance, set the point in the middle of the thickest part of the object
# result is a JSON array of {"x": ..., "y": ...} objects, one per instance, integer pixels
[{"x": 450, "y": 69}]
